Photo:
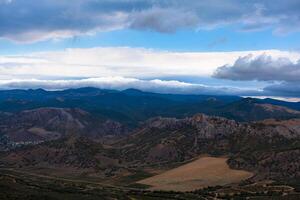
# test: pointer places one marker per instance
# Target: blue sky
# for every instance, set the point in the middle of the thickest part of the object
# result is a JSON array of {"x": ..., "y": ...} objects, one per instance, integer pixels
[
  {"x": 217, "y": 46},
  {"x": 221, "y": 39}
]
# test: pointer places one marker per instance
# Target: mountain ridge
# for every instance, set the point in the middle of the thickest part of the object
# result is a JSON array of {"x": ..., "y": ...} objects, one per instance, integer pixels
[
  {"x": 133, "y": 106},
  {"x": 165, "y": 141}
]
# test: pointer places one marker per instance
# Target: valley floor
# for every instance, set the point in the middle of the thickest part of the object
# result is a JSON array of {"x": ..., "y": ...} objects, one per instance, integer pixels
[
  {"x": 203, "y": 172},
  {"x": 15, "y": 185}
]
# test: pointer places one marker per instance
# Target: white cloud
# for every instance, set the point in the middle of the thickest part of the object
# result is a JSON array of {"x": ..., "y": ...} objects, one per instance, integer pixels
[
  {"x": 121, "y": 83},
  {"x": 122, "y": 61},
  {"x": 125, "y": 67}
]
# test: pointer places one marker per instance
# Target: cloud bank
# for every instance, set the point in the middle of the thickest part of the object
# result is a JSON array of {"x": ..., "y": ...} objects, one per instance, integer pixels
[
  {"x": 270, "y": 72},
  {"x": 122, "y": 83},
  {"x": 35, "y": 20},
  {"x": 281, "y": 72},
  {"x": 121, "y": 61},
  {"x": 261, "y": 68},
  {"x": 152, "y": 85}
]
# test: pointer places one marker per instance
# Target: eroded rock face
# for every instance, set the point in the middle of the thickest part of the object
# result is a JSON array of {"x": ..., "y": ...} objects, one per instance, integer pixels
[
  {"x": 52, "y": 123},
  {"x": 205, "y": 126}
]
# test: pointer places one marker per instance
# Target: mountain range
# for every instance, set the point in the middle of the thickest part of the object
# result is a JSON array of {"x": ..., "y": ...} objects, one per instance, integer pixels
[
  {"x": 121, "y": 137},
  {"x": 133, "y": 106}
]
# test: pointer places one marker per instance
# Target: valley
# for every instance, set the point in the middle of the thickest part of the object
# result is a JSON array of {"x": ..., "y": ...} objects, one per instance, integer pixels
[
  {"x": 73, "y": 151},
  {"x": 149, "y": 100},
  {"x": 20, "y": 185},
  {"x": 203, "y": 172}
]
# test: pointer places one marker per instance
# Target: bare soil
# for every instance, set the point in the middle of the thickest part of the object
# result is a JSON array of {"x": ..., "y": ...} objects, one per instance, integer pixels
[{"x": 205, "y": 171}]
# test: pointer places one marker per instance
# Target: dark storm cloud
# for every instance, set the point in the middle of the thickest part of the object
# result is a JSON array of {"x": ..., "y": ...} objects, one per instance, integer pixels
[
  {"x": 281, "y": 74},
  {"x": 31, "y": 20},
  {"x": 261, "y": 68}
]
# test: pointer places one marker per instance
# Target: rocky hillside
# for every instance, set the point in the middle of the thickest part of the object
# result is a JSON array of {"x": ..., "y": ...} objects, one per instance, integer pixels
[
  {"x": 269, "y": 148},
  {"x": 52, "y": 123},
  {"x": 249, "y": 109}
]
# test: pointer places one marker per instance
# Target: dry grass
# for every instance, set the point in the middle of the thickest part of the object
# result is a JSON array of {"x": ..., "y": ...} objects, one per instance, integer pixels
[{"x": 206, "y": 171}]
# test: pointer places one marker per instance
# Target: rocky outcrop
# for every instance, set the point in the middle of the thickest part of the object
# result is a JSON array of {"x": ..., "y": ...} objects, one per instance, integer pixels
[{"x": 265, "y": 147}]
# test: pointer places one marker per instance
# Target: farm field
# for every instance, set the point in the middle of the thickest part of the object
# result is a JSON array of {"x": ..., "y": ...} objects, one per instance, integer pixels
[{"x": 205, "y": 171}]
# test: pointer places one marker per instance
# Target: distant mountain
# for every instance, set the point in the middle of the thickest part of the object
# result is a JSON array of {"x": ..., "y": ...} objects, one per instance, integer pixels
[
  {"x": 291, "y": 105},
  {"x": 249, "y": 109},
  {"x": 129, "y": 106},
  {"x": 132, "y": 106}
]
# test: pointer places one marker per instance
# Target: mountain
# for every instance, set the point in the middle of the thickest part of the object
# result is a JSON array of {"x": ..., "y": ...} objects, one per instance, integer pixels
[
  {"x": 114, "y": 131},
  {"x": 45, "y": 124},
  {"x": 128, "y": 106},
  {"x": 131, "y": 107},
  {"x": 249, "y": 109},
  {"x": 269, "y": 149},
  {"x": 291, "y": 105},
  {"x": 80, "y": 163}
]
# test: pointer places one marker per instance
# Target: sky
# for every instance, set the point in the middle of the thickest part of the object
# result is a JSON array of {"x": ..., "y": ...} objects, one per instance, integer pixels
[{"x": 220, "y": 47}]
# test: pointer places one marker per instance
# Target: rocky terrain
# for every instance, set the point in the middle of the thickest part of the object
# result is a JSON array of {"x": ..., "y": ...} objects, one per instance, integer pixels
[
  {"x": 269, "y": 149},
  {"x": 99, "y": 139},
  {"x": 44, "y": 124}
]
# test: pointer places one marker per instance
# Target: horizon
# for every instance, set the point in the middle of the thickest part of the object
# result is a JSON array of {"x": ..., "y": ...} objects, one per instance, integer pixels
[
  {"x": 149, "y": 99},
  {"x": 243, "y": 48},
  {"x": 284, "y": 99}
]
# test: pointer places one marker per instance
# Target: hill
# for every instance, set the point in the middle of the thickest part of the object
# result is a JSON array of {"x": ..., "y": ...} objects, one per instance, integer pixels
[
  {"x": 44, "y": 124},
  {"x": 269, "y": 150},
  {"x": 132, "y": 106}
]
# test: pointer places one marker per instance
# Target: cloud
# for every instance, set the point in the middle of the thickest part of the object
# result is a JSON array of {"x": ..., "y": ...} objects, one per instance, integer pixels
[
  {"x": 121, "y": 61},
  {"x": 153, "y": 85},
  {"x": 121, "y": 83},
  {"x": 149, "y": 70},
  {"x": 261, "y": 68},
  {"x": 164, "y": 20},
  {"x": 35, "y": 20},
  {"x": 281, "y": 73}
]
